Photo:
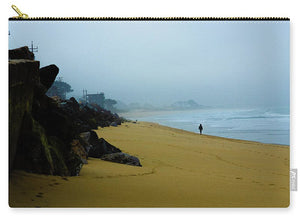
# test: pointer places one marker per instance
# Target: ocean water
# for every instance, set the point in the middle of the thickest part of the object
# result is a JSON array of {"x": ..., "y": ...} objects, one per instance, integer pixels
[{"x": 268, "y": 125}]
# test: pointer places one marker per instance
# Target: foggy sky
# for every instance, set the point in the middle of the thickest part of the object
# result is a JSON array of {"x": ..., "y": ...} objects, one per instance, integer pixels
[{"x": 216, "y": 63}]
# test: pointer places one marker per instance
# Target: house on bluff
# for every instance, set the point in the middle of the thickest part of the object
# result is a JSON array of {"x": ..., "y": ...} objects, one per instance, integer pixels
[{"x": 96, "y": 99}]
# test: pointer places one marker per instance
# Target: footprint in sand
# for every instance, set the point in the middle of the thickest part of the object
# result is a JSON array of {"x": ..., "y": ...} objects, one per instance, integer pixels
[
  {"x": 39, "y": 195},
  {"x": 56, "y": 183}
]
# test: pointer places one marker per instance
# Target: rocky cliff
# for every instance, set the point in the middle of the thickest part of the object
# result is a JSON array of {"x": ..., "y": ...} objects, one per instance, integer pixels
[
  {"x": 50, "y": 135},
  {"x": 23, "y": 74}
]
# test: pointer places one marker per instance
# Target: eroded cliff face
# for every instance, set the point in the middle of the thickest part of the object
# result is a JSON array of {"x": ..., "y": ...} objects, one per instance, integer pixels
[
  {"x": 32, "y": 145},
  {"x": 23, "y": 74},
  {"x": 49, "y": 135}
]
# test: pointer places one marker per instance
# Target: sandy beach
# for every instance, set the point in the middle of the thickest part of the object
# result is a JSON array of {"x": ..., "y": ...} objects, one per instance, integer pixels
[{"x": 179, "y": 169}]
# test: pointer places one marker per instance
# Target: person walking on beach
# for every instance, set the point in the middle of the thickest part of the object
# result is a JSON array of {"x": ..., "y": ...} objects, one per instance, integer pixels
[{"x": 200, "y": 128}]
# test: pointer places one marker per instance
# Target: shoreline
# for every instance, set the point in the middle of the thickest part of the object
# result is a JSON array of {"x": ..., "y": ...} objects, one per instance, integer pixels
[
  {"x": 180, "y": 169},
  {"x": 214, "y": 136},
  {"x": 167, "y": 118},
  {"x": 221, "y": 137}
]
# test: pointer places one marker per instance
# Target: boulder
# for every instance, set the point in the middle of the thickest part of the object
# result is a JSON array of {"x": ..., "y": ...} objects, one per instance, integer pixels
[
  {"x": 21, "y": 53},
  {"x": 100, "y": 146},
  {"x": 48, "y": 75},
  {"x": 122, "y": 158}
]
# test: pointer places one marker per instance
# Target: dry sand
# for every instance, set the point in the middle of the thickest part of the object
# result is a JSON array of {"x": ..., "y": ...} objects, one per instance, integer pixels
[{"x": 180, "y": 169}]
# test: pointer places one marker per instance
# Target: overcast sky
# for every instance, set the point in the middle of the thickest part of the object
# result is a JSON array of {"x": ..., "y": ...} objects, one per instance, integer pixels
[{"x": 216, "y": 63}]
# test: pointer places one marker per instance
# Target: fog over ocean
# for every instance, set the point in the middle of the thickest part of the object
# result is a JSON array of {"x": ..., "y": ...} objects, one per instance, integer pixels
[
  {"x": 237, "y": 64},
  {"x": 266, "y": 125}
]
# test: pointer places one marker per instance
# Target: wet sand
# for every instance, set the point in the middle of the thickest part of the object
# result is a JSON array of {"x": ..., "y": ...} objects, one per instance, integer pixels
[{"x": 180, "y": 169}]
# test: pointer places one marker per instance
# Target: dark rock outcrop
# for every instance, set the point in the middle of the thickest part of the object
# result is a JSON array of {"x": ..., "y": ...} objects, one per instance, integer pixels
[
  {"x": 21, "y": 53},
  {"x": 86, "y": 116},
  {"x": 78, "y": 149},
  {"x": 122, "y": 158},
  {"x": 84, "y": 138},
  {"x": 37, "y": 152},
  {"x": 23, "y": 74},
  {"x": 50, "y": 135},
  {"x": 48, "y": 75},
  {"x": 39, "y": 138},
  {"x": 100, "y": 147}
]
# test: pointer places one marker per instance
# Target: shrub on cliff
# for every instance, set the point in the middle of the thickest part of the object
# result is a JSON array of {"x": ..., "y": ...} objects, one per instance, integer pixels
[{"x": 60, "y": 89}]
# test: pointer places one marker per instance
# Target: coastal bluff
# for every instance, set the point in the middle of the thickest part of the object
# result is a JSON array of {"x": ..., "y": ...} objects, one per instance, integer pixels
[{"x": 50, "y": 136}]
